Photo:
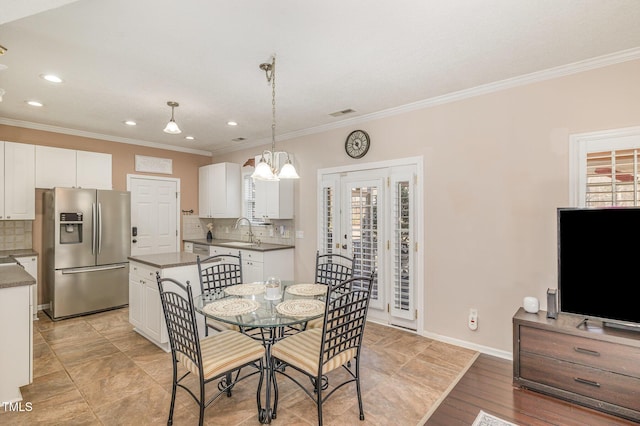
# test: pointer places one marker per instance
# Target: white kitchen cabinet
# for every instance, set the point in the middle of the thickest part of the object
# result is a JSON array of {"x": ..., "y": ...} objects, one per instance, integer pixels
[
  {"x": 69, "y": 168},
  {"x": 188, "y": 247},
  {"x": 30, "y": 264},
  {"x": 145, "y": 307},
  {"x": 259, "y": 265},
  {"x": 220, "y": 191},
  {"x": 16, "y": 335},
  {"x": 55, "y": 167},
  {"x": 274, "y": 199},
  {"x": 252, "y": 266},
  {"x": 93, "y": 170},
  {"x": 17, "y": 185}
]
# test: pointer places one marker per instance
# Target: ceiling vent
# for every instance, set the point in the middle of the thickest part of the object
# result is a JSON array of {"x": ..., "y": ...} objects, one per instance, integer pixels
[{"x": 343, "y": 112}]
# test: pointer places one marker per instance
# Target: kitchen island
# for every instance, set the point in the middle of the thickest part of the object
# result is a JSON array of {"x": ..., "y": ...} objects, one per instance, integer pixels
[
  {"x": 16, "y": 335},
  {"x": 145, "y": 308}
]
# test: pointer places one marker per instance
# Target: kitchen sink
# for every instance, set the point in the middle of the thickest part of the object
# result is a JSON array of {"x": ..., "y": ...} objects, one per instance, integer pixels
[{"x": 239, "y": 244}]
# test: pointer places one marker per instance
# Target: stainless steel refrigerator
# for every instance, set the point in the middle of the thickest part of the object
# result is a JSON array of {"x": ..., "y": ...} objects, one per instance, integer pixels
[{"x": 86, "y": 249}]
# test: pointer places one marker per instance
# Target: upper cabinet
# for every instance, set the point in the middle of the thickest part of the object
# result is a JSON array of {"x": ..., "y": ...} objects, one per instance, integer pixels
[
  {"x": 68, "y": 168},
  {"x": 17, "y": 185},
  {"x": 93, "y": 170},
  {"x": 220, "y": 191},
  {"x": 274, "y": 199}
]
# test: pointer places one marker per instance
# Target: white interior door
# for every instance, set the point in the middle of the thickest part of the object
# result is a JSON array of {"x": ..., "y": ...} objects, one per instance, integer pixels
[
  {"x": 370, "y": 215},
  {"x": 155, "y": 214}
]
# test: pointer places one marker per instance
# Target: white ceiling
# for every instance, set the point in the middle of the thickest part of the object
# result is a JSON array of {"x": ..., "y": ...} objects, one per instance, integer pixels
[{"x": 123, "y": 59}]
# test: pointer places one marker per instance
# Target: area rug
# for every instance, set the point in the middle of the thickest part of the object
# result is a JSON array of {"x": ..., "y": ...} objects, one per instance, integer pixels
[{"x": 485, "y": 419}]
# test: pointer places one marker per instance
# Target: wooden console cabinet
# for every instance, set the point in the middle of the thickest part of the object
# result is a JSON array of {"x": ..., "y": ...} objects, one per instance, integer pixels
[{"x": 595, "y": 366}]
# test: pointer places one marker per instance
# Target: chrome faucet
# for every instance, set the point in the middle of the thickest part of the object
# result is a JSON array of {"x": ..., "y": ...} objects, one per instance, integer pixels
[{"x": 250, "y": 229}]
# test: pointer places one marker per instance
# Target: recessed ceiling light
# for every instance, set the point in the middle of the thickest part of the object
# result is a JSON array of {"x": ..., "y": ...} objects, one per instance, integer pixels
[
  {"x": 51, "y": 78},
  {"x": 189, "y": 138},
  {"x": 130, "y": 123},
  {"x": 231, "y": 123},
  {"x": 35, "y": 103}
]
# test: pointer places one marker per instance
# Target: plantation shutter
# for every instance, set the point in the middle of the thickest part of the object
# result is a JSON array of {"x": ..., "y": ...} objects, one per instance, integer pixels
[
  {"x": 329, "y": 221},
  {"x": 612, "y": 178},
  {"x": 249, "y": 195}
]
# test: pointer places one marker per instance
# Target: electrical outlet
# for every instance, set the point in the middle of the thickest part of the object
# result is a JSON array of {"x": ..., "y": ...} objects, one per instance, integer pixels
[{"x": 473, "y": 319}]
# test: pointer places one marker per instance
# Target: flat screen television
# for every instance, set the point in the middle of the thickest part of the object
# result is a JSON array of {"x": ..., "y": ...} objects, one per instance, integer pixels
[{"x": 598, "y": 264}]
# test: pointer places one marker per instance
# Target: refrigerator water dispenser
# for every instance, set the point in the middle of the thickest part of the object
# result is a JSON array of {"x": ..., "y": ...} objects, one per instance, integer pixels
[{"x": 70, "y": 228}]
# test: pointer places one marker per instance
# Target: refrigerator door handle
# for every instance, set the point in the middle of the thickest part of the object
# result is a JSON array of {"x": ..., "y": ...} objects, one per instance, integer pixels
[
  {"x": 93, "y": 228},
  {"x": 99, "y": 228},
  {"x": 93, "y": 269}
]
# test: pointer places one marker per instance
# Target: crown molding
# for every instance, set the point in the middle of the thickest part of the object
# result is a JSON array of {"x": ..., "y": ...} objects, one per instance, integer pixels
[
  {"x": 92, "y": 135},
  {"x": 535, "y": 77}
]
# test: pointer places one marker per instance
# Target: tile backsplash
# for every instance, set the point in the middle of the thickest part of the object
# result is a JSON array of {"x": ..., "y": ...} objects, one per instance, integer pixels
[
  {"x": 278, "y": 232},
  {"x": 16, "y": 234}
]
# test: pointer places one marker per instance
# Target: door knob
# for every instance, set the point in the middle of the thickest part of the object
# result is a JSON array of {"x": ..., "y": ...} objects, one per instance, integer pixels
[{"x": 344, "y": 246}]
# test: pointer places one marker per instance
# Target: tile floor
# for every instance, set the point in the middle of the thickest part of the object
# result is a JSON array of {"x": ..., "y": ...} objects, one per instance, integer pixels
[{"x": 95, "y": 370}]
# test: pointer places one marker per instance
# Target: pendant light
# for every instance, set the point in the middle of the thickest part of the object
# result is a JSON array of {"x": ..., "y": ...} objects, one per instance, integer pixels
[
  {"x": 172, "y": 127},
  {"x": 266, "y": 168}
]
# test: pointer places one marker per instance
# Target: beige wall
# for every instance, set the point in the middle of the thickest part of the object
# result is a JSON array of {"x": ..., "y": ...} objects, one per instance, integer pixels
[
  {"x": 496, "y": 167},
  {"x": 185, "y": 168}
]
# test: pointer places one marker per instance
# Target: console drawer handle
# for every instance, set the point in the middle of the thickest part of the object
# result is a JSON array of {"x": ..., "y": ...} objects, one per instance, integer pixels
[
  {"x": 587, "y": 382},
  {"x": 586, "y": 351}
]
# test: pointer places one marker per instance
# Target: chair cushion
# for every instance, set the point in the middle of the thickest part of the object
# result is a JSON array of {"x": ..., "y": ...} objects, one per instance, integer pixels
[
  {"x": 221, "y": 326},
  {"x": 223, "y": 352},
  {"x": 302, "y": 350},
  {"x": 315, "y": 323}
]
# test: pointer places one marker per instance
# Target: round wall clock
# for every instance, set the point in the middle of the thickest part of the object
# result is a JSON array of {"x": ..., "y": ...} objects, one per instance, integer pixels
[{"x": 357, "y": 144}]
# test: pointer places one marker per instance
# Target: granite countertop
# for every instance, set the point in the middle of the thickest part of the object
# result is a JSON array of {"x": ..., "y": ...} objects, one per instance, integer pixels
[
  {"x": 18, "y": 253},
  {"x": 222, "y": 242},
  {"x": 15, "y": 276},
  {"x": 166, "y": 260}
]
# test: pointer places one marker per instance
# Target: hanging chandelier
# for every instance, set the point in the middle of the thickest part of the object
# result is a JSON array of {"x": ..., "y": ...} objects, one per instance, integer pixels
[{"x": 267, "y": 166}]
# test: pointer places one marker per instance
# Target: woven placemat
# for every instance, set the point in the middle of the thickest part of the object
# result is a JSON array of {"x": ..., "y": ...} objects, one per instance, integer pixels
[
  {"x": 300, "y": 307},
  {"x": 307, "y": 289},
  {"x": 245, "y": 289},
  {"x": 231, "y": 307}
]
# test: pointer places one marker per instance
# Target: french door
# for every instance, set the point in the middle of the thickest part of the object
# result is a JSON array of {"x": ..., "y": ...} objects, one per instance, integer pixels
[{"x": 370, "y": 215}]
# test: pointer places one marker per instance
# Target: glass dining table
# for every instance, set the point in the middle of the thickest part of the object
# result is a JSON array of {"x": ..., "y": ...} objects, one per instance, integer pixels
[{"x": 265, "y": 318}]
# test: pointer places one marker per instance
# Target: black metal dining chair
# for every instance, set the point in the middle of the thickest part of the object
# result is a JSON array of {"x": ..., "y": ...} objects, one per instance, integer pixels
[
  {"x": 319, "y": 351},
  {"x": 331, "y": 269},
  {"x": 216, "y": 273},
  {"x": 210, "y": 358}
]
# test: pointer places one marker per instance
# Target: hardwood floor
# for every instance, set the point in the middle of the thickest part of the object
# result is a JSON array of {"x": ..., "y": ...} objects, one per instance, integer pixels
[{"x": 487, "y": 386}]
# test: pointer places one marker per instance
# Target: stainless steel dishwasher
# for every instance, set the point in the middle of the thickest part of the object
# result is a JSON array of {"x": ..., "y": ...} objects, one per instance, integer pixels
[{"x": 201, "y": 249}]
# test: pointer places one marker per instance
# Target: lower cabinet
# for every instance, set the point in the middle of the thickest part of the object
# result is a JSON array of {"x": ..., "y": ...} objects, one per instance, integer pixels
[
  {"x": 30, "y": 264},
  {"x": 145, "y": 308},
  {"x": 16, "y": 335},
  {"x": 258, "y": 265},
  {"x": 593, "y": 366}
]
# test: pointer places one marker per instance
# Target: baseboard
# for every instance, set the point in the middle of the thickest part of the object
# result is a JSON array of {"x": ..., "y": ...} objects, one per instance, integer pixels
[
  {"x": 462, "y": 343},
  {"x": 470, "y": 345}
]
